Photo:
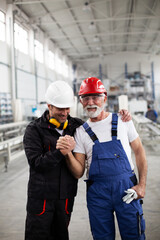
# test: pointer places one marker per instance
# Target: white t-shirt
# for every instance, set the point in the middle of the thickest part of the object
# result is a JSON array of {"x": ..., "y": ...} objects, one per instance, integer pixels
[
  {"x": 59, "y": 130},
  {"x": 126, "y": 133}
]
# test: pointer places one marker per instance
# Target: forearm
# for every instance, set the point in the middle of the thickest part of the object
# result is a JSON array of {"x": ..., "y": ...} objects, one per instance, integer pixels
[
  {"x": 76, "y": 162},
  {"x": 75, "y": 166},
  {"x": 141, "y": 163}
]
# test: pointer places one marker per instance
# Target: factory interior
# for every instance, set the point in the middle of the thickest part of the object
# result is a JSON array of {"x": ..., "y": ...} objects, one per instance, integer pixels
[{"x": 42, "y": 41}]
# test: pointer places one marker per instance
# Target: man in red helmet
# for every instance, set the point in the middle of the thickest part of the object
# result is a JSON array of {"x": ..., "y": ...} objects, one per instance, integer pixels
[{"x": 103, "y": 145}]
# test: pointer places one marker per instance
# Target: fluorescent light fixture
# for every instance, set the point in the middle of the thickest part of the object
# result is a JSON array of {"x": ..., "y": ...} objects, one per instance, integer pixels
[
  {"x": 98, "y": 48},
  {"x": 92, "y": 26},
  {"x": 86, "y": 6},
  {"x": 96, "y": 39}
]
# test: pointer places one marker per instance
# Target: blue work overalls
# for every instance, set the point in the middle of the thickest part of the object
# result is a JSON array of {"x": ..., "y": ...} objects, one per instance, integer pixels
[{"x": 110, "y": 175}]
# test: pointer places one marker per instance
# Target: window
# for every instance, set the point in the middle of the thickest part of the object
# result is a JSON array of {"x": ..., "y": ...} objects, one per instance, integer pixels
[
  {"x": 20, "y": 38},
  {"x": 61, "y": 67},
  {"x": 51, "y": 60},
  {"x": 38, "y": 51},
  {"x": 65, "y": 68},
  {"x": 2, "y": 27},
  {"x": 58, "y": 64}
]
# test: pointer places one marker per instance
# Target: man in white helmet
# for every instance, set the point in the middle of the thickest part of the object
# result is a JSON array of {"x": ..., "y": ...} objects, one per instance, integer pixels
[{"x": 51, "y": 187}]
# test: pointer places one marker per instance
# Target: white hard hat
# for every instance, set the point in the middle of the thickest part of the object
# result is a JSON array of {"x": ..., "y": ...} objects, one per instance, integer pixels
[{"x": 60, "y": 94}]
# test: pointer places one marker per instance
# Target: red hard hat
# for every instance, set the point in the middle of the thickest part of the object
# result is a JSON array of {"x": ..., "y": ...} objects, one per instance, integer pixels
[{"x": 92, "y": 85}]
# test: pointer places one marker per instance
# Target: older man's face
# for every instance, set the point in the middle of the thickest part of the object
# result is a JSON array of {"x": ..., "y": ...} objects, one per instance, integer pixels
[{"x": 93, "y": 104}]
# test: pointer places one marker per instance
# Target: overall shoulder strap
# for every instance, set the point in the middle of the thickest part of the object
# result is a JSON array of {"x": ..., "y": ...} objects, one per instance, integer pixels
[
  {"x": 90, "y": 132},
  {"x": 114, "y": 125}
]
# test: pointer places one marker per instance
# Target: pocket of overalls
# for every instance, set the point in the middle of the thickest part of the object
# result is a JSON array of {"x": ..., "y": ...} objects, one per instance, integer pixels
[
  {"x": 36, "y": 206},
  {"x": 133, "y": 180},
  {"x": 109, "y": 164},
  {"x": 124, "y": 162},
  {"x": 141, "y": 223},
  {"x": 137, "y": 205}
]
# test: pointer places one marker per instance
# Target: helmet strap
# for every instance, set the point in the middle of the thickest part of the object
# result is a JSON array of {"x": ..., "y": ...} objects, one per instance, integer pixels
[{"x": 57, "y": 124}]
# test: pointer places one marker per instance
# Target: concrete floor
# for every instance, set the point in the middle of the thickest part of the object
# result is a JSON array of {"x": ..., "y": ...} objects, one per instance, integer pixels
[{"x": 13, "y": 188}]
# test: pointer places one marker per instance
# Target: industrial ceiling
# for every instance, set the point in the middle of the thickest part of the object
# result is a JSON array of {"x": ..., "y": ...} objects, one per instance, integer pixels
[{"x": 89, "y": 30}]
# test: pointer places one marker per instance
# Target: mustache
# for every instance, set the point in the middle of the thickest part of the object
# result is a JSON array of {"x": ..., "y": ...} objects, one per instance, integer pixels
[
  {"x": 90, "y": 106},
  {"x": 94, "y": 114}
]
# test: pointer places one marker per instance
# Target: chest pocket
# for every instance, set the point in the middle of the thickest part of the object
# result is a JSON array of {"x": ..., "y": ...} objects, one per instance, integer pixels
[
  {"x": 110, "y": 164},
  {"x": 113, "y": 163}
]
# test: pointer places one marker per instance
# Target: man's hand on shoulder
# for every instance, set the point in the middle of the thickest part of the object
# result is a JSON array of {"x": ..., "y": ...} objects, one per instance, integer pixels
[{"x": 125, "y": 115}]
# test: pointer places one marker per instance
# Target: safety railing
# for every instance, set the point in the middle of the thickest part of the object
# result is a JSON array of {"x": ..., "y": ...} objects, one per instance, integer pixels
[
  {"x": 12, "y": 129},
  {"x": 11, "y": 140},
  {"x": 148, "y": 130}
]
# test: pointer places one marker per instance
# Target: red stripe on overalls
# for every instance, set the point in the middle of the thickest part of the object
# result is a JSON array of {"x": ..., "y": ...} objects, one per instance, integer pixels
[
  {"x": 44, "y": 208},
  {"x": 66, "y": 206}
]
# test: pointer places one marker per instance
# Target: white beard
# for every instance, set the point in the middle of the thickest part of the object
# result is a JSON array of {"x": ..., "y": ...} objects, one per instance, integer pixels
[{"x": 92, "y": 114}]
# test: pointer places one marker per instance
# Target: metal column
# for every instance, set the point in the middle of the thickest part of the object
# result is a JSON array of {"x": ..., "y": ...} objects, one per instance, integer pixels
[
  {"x": 126, "y": 70},
  {"x": 153, "y": 87},
  {"x": 100, "y": 71},
  {"x": 13, "y": 59},
  {"x": 74, "y": 67}
]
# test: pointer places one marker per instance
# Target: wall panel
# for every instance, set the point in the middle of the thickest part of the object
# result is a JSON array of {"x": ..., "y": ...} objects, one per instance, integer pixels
[
  {"x": 4, "y": 78},
  {"x": 26, "y": 87}
]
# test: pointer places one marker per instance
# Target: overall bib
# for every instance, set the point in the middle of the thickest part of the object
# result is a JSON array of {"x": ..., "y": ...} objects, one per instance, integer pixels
[{"x": 110, "y": 175}]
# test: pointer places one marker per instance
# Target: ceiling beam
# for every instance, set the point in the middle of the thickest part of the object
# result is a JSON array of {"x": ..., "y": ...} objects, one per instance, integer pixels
[
  {"x": 134, "y": 18},
  {"x": 16, "y": 2},
  {"x": 147, "y": 22},
  {"x": 78, "y": 26},
  {"x": 106, "y": 34},
  {"x": 38, "y": 1},
  {"x": 101, "y": 56},
  {"x": 106, "y": 45},
  {"x": 96, "y": 53},
  {"x": 98, "y": 56},
  {"x": 58, "y": 25},
  {"x": 129, "y": 22}
]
